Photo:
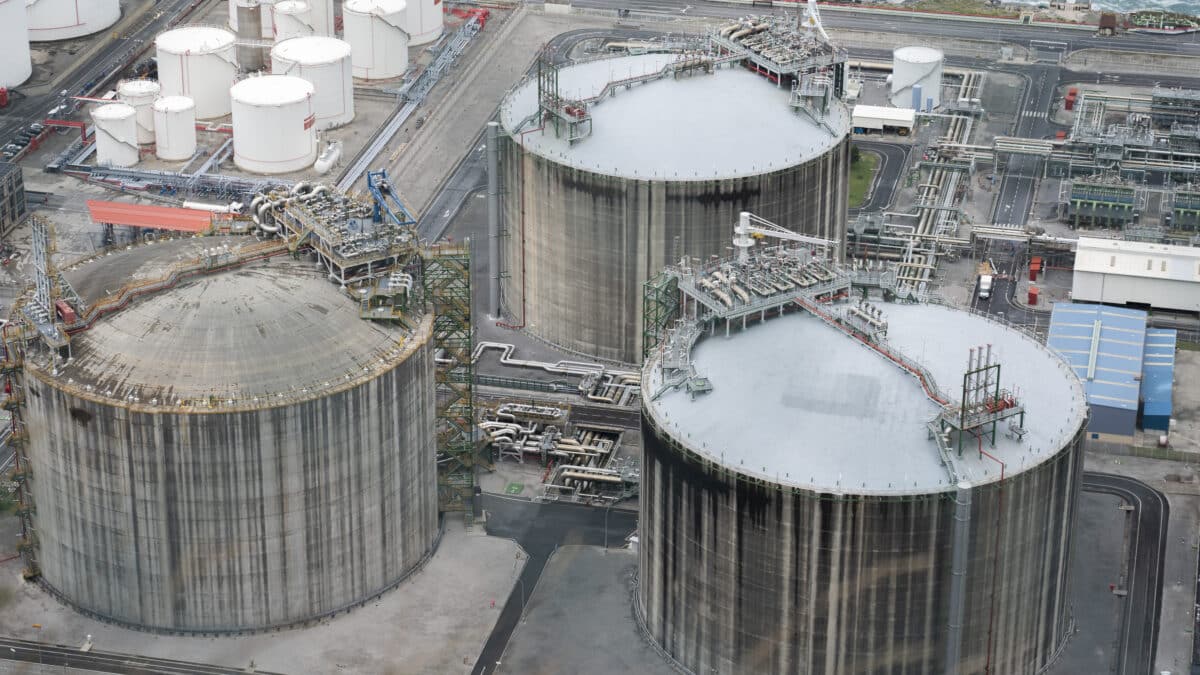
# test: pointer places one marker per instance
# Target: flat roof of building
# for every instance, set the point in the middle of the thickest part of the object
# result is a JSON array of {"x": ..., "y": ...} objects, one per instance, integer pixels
[
  {"x": 149, "y": 216},
  {"x": 896, "y": 116},
  {"x": 1137, "y": 259},
  {"x": 698, "y": 127},
  {"x": 1104, "y": 345},
  {"x": 796, "y": 402},
  {"x": 1158, "y": 373}
]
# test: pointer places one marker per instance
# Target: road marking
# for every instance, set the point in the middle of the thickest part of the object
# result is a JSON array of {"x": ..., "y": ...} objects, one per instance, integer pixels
[{"x": 1034, "y": 114}]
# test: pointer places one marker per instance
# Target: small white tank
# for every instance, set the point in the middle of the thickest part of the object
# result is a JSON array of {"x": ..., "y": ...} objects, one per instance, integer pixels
[
  {"x": 175, "y": 128},
  {"x": 322, "y": 17},
  {"x": 198, "y": 61},
  {"x": 325, "y": 63},
  {"x": 141, "y": 94},
  {"x": 912, "y": 66},
  {"x": 116, "y": 135},
  {"x": 423, "y": 21},
  {"x": 375, "y": 31},
  {"x": 261, "y": 6},
  {"x": 15, "y": 63},
  {"x": 65, "y": 19},
  {"x": 291, "y": 18},
  {"x": 274, "y": 129}
]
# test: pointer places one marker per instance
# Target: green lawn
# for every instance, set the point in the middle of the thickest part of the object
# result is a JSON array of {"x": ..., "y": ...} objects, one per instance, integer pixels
[
  {"x": 861, "y": 173},
  {"x": 972, "y": 7}
]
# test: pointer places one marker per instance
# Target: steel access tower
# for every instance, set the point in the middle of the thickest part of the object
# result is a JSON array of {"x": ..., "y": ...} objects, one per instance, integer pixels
[{"x": 447, "y": 277}]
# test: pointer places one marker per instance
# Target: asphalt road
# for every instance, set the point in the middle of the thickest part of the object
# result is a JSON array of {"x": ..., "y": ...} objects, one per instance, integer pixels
[
  {"x": 1016, "y": 194},
  {"x": 540, "y": 529},
  {"x": 892, "y": 159},
  {"x": 1010, "y": 259},
  {"x": 71, "y": 657},
  {"x": 834, "y": 17},
  {"x": 102, "y": 67},
  {"x": 1147, "y": 554}
]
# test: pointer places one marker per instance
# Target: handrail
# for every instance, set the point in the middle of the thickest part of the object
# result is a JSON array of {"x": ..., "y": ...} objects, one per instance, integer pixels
[{"x": 130, "y": 291}]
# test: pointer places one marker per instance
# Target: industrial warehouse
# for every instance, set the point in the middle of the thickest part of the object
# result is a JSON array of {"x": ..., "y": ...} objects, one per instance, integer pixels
[{"x": 418, "y": 337}]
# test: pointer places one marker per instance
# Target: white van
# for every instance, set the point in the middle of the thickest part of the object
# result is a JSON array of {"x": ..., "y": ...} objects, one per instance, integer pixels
[{"x": 985, "y": 286}]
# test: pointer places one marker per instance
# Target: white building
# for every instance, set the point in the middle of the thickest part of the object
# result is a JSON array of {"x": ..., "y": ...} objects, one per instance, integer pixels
[
  {"x": 1122, "y": 272},
  {"x": 878, "y": 118}
]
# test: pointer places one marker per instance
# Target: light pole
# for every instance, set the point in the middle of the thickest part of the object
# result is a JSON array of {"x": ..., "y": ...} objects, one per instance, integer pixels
[{"x": 606, "y": 510}]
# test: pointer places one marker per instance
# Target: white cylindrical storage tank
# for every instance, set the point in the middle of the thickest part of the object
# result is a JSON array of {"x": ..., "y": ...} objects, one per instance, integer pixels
[
  {"x": 325, "y": 63},
  {"x": 423, "y": 21},
  {"x": 141, "y": 94},
  {"x": 322, "y": 17},
  {"x": 198, "y": 61},
  {"x": 116, "y": 135},
  {"x": 375, "y": 31},
  {"x": 65, "y": 19},
  {"x": 916, "y": 66},
  {"x": 262, "y": 6},
  {"x": 175, "y": 128},
  {"x": 291, "y": 18},
  {"x": 15, "y": 63},
  {"x": 274, "y": 130}
]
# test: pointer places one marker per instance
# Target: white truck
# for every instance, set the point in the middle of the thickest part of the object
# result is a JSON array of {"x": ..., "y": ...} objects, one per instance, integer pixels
[{"x": 985, "y": 286}]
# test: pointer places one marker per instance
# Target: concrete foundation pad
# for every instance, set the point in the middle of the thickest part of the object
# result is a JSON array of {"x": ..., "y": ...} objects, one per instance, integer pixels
[
  {"x": 580, "y": 619},
  {"x": 435, "y": 622}
]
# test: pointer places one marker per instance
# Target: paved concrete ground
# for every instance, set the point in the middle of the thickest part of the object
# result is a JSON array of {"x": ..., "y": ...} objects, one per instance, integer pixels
[
  {"x": 585, "y": 593},
  {"x": 435, "y": 622},
  {"x": 1186, "y": 396},
  {"x": 1180, "y": 481},
  {"x": 580, "y": 619},
  {"x": 1099, "y": 558}
]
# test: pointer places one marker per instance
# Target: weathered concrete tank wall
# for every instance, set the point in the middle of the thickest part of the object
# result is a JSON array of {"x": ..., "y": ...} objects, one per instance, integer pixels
[
  {"x": 580, "y": 244},
  {"x": 190, "y": 520},
  {"x": 738, "y": 577}
]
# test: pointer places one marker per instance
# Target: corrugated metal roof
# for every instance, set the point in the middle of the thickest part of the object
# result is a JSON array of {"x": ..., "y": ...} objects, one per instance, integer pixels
[
  {"x": 1158, "y": 372},
  {"x": 1104, "y": 346},
  {"x": 156, "y": 217},
  {"x": 1137, "y": 259}
]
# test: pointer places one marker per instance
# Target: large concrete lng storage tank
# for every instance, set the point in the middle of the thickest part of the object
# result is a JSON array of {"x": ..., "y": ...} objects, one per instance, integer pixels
[
  {"x": 839, "y": 501},
  {"x": 620, "y": 178},
  {"x": 236, "y": 452}
]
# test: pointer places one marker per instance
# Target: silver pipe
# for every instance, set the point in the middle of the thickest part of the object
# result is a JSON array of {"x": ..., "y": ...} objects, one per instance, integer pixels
[
  {"x": 493, "y": 207},
  {"x": 958, "y": 578}
]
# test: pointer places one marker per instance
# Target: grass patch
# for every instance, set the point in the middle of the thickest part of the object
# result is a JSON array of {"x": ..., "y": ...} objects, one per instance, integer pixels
[
  {"x": 8, "y": 501},
  {"x": 862, "y": 171},
  {"x": 1188, "y": 346},
  {"x": 970, "y": 7}
]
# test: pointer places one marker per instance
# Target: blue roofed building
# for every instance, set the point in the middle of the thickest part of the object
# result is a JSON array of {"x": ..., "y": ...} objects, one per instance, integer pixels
[
  {"x": 1104, "y": 345},
  {"x": 1158, "y": 375}
]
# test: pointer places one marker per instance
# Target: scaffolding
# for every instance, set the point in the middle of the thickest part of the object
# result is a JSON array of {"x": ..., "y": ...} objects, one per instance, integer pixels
[
  {"x": 447, "y": 278},
  {"x": 15, "y": 343},
  {"x": 660, "y": 306},
  {"x": 34, "y": 321}
]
